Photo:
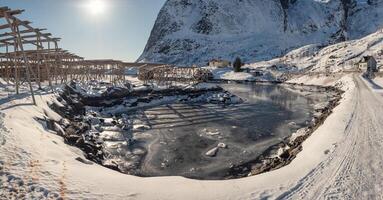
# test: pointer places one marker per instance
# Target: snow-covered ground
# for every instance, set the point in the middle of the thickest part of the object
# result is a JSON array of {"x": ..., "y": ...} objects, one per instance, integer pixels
[
  {"x": 227, "y": 73},
  {"x": 340, "y": 159}
]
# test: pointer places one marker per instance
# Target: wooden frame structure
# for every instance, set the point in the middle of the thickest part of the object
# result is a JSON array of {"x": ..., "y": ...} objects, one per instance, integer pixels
[
  {"x": 168, "y": 74},
  {"x": 32, "y": 56},
  {"x": 31, "y": 59}
]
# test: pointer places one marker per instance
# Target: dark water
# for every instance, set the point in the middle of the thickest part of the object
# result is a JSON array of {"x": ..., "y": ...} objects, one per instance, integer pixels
[{"x": 181, "y": 134}]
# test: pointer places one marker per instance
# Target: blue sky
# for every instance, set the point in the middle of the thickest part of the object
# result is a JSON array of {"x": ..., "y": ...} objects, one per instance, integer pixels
[{"x": 119, "y": 30}]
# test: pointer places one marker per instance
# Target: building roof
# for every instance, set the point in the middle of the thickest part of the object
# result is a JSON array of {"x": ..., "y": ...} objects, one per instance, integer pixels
[{"x": 366, "y": 59}]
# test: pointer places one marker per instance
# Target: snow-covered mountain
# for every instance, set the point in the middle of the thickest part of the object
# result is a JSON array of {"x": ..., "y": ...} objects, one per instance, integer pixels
[
  {"x": 332, "y": 58},
  {"x": 196, "y": 31}
]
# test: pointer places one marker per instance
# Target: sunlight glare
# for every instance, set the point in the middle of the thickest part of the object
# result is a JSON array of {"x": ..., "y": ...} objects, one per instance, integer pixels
[{"x": 96, "y": 7}]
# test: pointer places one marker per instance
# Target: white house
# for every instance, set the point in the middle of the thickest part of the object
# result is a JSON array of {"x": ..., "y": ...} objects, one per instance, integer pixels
[{"x": 368, "y": 63}]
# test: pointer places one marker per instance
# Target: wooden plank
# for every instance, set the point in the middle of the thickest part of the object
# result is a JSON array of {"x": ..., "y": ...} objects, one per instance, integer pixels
[
  {"x": 5, "y": 26},
  {"x": 10, "y": 12},
  {"x": 34, "y": 42},
  {"x": 23, "y": 37},
  {"x": 23, "y": 32}
]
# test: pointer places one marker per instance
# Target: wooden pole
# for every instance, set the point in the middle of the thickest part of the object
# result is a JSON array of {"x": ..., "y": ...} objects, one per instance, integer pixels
[
  {"x": 48, "y": 65},
  {"x": 57, "y": 63},
  {"x": 26, "y": 64},
  {"x": 7, "y": 66},
  {"x": 16, "y": 32},
  {"x": 39, "y": 47},
  {"x": 15, "y": 62}
]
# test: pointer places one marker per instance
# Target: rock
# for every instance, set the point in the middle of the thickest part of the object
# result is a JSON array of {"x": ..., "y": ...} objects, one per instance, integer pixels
[
  {"x": 212, "y": 152},
  {"x": 140, "y": 127},
  {"x": 116, "y": 92},
  {"x": 326, "y": 151},
  {"x": 84, "y": 161},
  {"x": 108, "y": 121},
  {"x": 52, "y": 115},
  {"x": 60, "y": 131},
  {"x": 285, "y": 155},
  {"x": 93, "y": 120},
  {"x": 222, "y": 145},
  {"x": 50, "y": 124},
  {"x": 72, "y": 139},
  {"x": 212, "y": 133},
  {"x": 65, "y": 122},
  {"x": 292, "y": 124},
  {"x": 98, "y": 128}
]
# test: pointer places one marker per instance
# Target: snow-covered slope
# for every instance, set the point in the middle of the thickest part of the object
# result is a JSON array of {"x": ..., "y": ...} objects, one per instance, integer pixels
[
  {"x": 333, "y": 58},
  {"x": 195, "y": 31}
]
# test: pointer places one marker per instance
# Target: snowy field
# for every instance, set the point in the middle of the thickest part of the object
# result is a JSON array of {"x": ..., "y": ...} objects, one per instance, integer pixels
[
  {"x": 36, "y": 163},
  {"x": 341, "y": 160}
]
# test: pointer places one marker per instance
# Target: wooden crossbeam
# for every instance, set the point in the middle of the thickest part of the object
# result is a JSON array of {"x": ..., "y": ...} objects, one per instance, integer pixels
[
  {"x": 22, "y": 32},
  {"x": 24, "y": 37},
  {"x": 38, "y": 54},
  {"x": 34, "y": 42},
  {"x": 6, "y": 26},
  {"x": 13, "y": 12},
  {"x": 10, "y": 12},
  {"x": 25, "y": 24}
]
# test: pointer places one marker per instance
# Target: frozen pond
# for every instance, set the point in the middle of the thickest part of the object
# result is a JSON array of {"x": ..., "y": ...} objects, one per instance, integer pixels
[{"x": 179, "y": 139}]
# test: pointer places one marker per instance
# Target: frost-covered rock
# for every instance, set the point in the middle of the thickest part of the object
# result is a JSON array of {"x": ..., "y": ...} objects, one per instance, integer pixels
[
  {"x": 224, "y": 97},
  {"x": 212, "y": 152},
  {"x": 212, "y": 133},
  {"x": 93, "y": 120},
  {"x": 222, "y": 145},
  {"x": 108, "y": 121},
  {"x": 299, "y": 133},
  {"x": 52, "y": 115},
  {"x": 140, "y": 127}
]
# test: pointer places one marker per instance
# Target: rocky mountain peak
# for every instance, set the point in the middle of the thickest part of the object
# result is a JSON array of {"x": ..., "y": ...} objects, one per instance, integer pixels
[{"x": 196, "y": 31}]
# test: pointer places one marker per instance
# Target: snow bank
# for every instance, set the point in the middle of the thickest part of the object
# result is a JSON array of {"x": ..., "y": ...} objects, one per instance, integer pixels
[
  {"x": 227, "y": 73},
  {"x": 240, "y": 76}
]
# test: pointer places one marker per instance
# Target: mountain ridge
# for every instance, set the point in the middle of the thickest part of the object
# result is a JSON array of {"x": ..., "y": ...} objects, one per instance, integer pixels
[{"x": 195, "y": 31}]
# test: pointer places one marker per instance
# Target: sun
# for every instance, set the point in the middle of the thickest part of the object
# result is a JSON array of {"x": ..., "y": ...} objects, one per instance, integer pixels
[{"x": 96, "y": 7}]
